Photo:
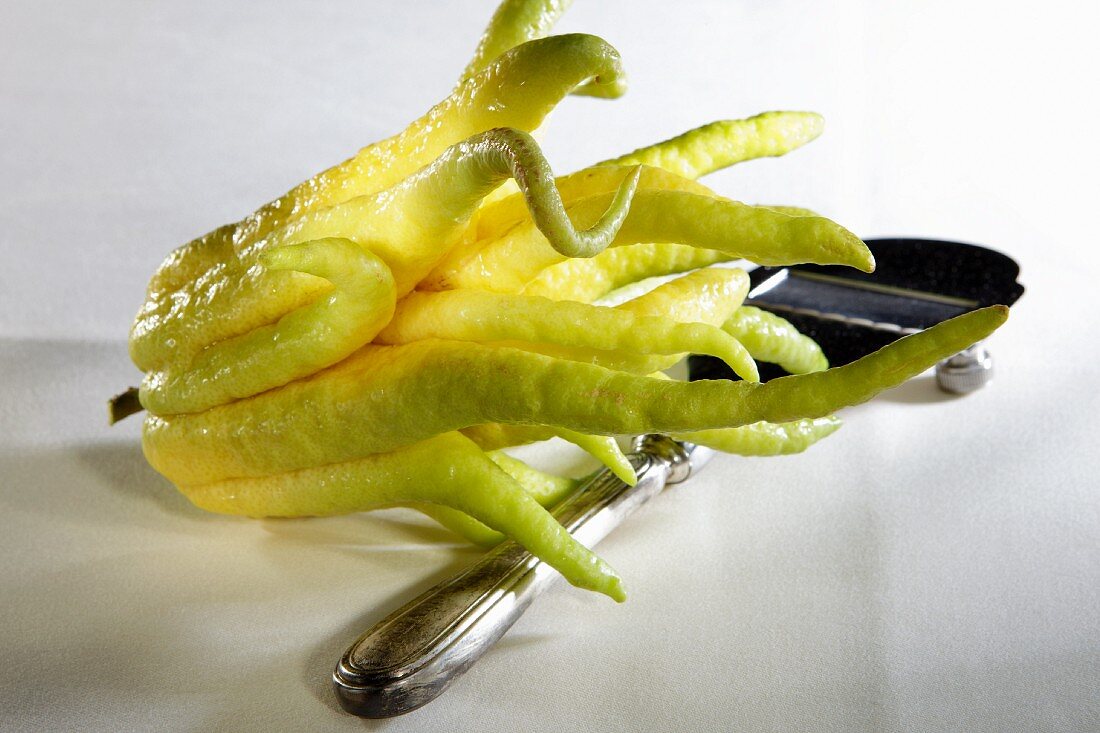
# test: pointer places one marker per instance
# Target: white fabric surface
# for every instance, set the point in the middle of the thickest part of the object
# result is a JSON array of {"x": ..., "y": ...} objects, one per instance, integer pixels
[{"x": 933, "y": 566}]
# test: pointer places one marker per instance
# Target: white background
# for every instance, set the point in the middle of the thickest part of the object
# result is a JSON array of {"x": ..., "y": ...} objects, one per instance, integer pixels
[{"x": 934, "y": 566}]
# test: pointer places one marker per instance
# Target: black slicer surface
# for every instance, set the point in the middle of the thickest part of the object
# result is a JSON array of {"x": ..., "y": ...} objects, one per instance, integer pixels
[{"x": 916, "y": 284}]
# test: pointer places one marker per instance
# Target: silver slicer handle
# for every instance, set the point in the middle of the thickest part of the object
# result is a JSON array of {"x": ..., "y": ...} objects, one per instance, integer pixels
[{"x": 412, "y": 655}]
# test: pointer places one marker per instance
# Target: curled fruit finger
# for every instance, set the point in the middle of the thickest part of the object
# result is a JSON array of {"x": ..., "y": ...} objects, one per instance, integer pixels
[
  {"x": 757, "y": 233},
  {"x": 409, "y": 227}
]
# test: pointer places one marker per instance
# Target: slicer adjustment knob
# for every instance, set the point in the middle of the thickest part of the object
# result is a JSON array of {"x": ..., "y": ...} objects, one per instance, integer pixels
[{"x": 966, "y": 371}]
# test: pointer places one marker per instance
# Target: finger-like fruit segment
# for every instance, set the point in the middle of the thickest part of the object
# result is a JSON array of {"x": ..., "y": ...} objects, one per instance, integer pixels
[
  {"x": 366, "y": 403},
  {"x": 514, "y": 22},
  {"x": 769, "y": 337},
  {"x": 447, "y": 469},
  {"x": 726, "y": 142},
  {"x": 765, "y": 438},
  {"x": 302, "y": 342},
  {"x": 589, "y": 280},
  {"x": 472, "y": 315}
]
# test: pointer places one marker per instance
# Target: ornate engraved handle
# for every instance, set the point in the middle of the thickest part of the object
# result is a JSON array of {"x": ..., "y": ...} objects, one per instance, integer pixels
[{"x": 412, "y": 655}]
